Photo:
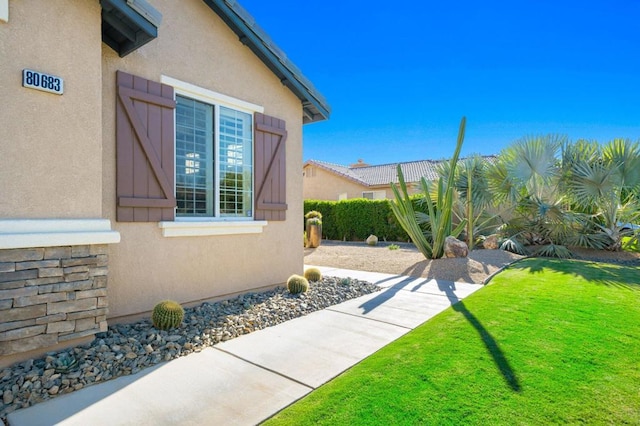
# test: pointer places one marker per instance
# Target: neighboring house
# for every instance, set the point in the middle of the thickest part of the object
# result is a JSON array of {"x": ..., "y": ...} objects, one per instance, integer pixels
[
  {"x": 151, "y": 152},
  {"x": 327, "y": 181}
]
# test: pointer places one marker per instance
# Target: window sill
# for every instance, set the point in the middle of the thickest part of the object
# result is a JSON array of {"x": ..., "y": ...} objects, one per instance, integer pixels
[{"x": 200, "y": 229}]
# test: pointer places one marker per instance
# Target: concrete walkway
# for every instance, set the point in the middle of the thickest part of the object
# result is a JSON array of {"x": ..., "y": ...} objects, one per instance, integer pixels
[{"x": 248, "y": 379}]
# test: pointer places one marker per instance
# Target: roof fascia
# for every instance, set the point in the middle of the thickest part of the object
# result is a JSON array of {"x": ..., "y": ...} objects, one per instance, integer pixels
[{"x": 314, "y": 107}]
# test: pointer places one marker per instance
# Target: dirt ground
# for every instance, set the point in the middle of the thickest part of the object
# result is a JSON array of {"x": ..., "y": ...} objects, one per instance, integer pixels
[{"x": 408, "y": 261}]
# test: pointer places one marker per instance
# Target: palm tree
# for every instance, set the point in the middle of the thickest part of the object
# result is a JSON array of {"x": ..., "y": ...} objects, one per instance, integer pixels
[
  {"x": 527, "y": 178},
  {"x": 606, "y": 183}
]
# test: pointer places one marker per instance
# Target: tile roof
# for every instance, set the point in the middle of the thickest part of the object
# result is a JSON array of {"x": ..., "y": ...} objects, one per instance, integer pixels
[{"x": 383, "y": 174}]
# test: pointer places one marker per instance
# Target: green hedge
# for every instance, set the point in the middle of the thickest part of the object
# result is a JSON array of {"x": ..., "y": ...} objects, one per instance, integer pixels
[{"x": 356, "y": 219}]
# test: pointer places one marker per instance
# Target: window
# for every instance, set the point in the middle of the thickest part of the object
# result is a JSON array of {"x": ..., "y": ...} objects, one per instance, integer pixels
[
  {"x": 214, "y": 161},
  {"x": 223, "y": 158},
  {"x": 374, "y": 195}
]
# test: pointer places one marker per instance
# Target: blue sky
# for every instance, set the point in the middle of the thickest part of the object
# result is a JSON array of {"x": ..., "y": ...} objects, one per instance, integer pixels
[{"x": 399, "y": 76}]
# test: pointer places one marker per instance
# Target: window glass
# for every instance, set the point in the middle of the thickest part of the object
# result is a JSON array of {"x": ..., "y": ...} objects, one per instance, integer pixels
[
  {"x": 235, "y": 163},
  {"x": 206, "y": 187}
]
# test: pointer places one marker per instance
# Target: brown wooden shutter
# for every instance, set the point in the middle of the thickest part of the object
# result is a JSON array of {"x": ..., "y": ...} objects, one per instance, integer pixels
[
  {"x": 145, "y": 150},
  {"x": 270, "y": 168}
]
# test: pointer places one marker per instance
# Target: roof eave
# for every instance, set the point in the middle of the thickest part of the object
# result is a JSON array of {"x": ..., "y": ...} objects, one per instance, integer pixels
[{"x": 314, "y": 107}]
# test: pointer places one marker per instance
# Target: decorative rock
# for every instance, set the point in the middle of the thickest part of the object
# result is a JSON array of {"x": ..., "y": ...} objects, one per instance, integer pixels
[
  {"x": 455, "y": 248},
  {"x": 128, "y": 348},
  {"x": 372, "y": 240},
  {"x": 491, "y": 242}
]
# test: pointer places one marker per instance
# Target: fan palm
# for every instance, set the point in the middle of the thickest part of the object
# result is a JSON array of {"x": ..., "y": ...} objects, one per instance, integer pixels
[{"x": 608, "y": 183}]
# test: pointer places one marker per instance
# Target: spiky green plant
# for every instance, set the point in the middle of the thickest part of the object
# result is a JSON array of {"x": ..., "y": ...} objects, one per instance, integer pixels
[
  {"x": 472, "y": 198},
  {"x": 607, "y": 184},
  {"x": 440, "y": 209},
  {"x": 167, "y": 314},
  {"x": 554, "y": 250},
  {"x": 297, "y": 284},
  {"x": 313, "y": 274}
]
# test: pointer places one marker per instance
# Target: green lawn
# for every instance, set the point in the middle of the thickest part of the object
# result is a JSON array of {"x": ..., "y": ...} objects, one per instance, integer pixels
[{"x": 548, "y": 341}]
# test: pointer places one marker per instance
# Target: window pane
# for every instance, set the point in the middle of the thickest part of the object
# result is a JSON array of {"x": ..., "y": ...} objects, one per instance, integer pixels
[
  {"x": 236, "y": 163},
  {"x": 194, "y": 158}
]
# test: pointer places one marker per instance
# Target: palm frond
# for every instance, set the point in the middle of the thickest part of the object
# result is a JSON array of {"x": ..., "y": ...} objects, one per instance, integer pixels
[{"x": 553, "y": 250}]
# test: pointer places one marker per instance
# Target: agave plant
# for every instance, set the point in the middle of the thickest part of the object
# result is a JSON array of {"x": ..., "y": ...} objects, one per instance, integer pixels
[{"x": 440, "y": 208}]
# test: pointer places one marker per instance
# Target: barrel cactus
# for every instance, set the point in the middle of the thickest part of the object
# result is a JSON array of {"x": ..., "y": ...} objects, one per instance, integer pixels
[
  {"x": 167, "y": 314},
  {"x": 313, "y": 274},
  {"x": 297, "y": 284}
]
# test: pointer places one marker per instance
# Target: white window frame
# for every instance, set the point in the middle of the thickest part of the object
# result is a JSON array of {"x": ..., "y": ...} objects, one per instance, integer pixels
[
  {"x": 204, "y": 226},
  {"x": 375, "y": 195},
  {"x": 4, "y": 10}
]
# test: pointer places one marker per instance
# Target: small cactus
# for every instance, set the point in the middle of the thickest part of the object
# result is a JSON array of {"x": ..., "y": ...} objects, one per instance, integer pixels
[
  {"x": 313, "y": 274},
  {"x": 297, "y": 284},
  {"x": 345, "y": 281},
  {"x": 167, "y": 314}
]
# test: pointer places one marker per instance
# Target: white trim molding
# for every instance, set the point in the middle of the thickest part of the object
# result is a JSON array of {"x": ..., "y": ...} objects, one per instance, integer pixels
[
  {"x": 209, "y": 96},
  {"x": 25, "y": 233},
  {"x": 205, "y": 228},
  {"x": 4, "y": 10}
]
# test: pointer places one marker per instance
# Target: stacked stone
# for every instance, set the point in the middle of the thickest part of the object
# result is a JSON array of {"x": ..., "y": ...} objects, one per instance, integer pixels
[{"x": 51, "y": 295}]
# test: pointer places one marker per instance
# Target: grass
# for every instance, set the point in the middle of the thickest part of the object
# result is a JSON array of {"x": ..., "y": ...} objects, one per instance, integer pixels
[{"x": 548, "y": 341}]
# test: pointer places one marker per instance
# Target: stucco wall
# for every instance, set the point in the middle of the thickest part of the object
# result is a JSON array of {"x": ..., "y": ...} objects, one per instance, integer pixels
[
  {"x": 320, "y": 184},
  {"x": 194, "y": 45},
  {"x": 51, "y": 153}
]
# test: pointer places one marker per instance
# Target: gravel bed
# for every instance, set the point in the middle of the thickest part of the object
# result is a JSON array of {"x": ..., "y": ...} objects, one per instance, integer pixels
[{"x": 128, "y": 348}]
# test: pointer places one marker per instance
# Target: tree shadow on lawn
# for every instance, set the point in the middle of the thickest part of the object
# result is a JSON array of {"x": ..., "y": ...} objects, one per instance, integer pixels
[
  {"x": 499, "y": 358},
  {"x": 607, "y": 274},
  {"x": 449, "y": 288}
]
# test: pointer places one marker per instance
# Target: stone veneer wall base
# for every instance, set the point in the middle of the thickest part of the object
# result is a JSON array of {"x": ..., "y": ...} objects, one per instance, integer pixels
[{"x": 51, "y": 296}]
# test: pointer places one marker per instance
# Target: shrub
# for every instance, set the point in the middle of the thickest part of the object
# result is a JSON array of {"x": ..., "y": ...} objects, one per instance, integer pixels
[
  {"x": 167, "y": 314},
  {"x": 313, "y": 274},
  {"x": 394, "y": 247},
  {"x": 356, "y": 219},
  {"x": 297, "y": 284}
]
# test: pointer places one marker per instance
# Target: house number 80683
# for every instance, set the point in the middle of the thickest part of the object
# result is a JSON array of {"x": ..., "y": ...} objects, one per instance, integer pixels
[{"x": 41, "y": 81}]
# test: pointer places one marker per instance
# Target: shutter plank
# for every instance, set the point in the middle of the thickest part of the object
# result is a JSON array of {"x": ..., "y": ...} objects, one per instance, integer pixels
[
  {"x": 154, "y": 130},
  {"x": 168, "y": 162},
  {"x": 140, "y": 162},
  {"x": 124, "y": 150}
]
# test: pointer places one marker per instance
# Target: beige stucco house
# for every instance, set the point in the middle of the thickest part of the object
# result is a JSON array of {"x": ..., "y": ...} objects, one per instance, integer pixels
[
  {"x": 150, "y": 150},
  {"x": 328, "y": 181}
]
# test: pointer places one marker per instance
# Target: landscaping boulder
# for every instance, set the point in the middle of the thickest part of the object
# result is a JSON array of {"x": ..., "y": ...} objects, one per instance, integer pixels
[
  {"x": 453, "y": 247},
  {"x": 491, "y": 242},
  {"x": 372, "y": 240}
]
